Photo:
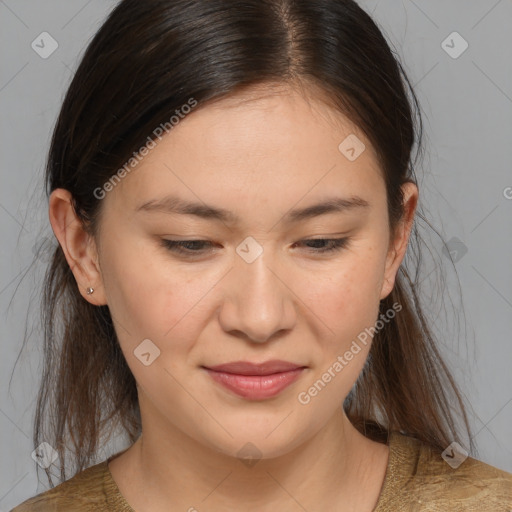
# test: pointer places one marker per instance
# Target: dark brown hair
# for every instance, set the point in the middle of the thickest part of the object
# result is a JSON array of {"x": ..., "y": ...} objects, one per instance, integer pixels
[{"x": 148, "y": 59}]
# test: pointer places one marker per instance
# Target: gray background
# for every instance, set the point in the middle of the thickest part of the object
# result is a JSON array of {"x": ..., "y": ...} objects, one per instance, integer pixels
[{"x": 464, "y": 179}]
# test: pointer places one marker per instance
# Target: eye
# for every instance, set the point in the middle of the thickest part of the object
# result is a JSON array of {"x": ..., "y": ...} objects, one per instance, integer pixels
[
  {"x": 326, "y": 244},
  {"x": 186, "y": 247},
  {"x": 197, "y": 247}
]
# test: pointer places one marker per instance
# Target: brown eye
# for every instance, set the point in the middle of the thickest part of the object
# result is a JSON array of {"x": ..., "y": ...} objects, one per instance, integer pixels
[
  {"x": 324, "y": 245},
  {"x": 186, "y": 247}
]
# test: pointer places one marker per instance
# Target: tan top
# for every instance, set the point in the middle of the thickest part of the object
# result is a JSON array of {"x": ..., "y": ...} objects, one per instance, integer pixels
[{"x": 417, "y": 479}]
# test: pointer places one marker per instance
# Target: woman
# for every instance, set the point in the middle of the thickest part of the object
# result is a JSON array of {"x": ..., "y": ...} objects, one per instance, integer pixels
[{"x": 232, "y": 190}]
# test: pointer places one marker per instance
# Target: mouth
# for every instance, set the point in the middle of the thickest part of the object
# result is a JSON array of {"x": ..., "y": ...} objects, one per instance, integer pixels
[{"x": 255, "y": 381}]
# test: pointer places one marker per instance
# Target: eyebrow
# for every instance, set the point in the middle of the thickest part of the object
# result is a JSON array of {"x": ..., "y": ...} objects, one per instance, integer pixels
[{"x": 176, "y": 205}]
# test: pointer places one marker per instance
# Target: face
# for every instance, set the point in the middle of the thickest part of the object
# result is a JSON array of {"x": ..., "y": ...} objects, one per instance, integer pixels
[{"x": 260, "y": 283}]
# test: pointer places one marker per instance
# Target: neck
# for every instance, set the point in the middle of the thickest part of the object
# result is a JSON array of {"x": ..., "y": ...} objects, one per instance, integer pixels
[{"x": 337, "y": 466}]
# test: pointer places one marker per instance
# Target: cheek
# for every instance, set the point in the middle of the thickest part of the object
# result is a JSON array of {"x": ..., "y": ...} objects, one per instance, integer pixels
[
  {"x": 345, "y": 297},
  {"x": 147, "y": 298},
  {"x": 347, "y": 304}
]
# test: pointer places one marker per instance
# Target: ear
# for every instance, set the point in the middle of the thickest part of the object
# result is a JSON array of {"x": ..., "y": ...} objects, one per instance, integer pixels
[
  {"x": 79, "y": 247},
  {"x": 398, "y": 245}
]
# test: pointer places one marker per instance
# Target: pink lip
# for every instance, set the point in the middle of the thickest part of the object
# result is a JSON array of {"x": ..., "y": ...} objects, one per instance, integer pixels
[{"x": 256, "y": 381}]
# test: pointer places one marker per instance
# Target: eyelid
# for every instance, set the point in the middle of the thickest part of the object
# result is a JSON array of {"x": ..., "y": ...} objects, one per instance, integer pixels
[{"x": 177, "y": 246}]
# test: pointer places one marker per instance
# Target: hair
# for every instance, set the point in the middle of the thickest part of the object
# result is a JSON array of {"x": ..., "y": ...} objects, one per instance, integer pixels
[{"x": 146, "y": 61}]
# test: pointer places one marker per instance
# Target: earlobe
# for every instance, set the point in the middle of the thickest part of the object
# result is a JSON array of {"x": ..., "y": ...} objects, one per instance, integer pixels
[
  {"x": 398, "y": 247},
  {"x": 79, "y": 247}
]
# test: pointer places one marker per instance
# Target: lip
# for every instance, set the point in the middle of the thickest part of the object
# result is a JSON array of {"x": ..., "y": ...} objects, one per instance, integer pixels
[
  {"x": 248, "y": 368},
  {"x": 256, "y": 381}
]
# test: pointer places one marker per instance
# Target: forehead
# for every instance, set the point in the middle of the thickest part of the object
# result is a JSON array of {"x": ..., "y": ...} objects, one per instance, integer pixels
[{"x": 258, "y": 149}]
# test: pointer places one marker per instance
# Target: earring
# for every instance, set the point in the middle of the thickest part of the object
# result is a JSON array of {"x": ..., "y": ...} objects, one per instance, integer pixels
[{"x": 90, "y": 290}]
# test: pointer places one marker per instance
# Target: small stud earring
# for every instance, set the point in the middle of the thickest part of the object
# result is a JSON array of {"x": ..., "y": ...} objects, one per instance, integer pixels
[{"x": 90, "y": 290}]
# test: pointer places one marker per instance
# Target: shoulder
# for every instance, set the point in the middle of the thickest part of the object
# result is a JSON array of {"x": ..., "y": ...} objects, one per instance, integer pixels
[
  {"x": 455, "y": 483},
  {"x": 83, "y": 492}
]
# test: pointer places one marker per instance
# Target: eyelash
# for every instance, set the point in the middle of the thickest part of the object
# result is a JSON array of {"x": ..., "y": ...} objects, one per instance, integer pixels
[{"x": 179, "y": 246}]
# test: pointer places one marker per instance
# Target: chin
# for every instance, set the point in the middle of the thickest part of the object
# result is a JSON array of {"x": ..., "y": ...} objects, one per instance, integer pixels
[{"x": 252, "y": 443}]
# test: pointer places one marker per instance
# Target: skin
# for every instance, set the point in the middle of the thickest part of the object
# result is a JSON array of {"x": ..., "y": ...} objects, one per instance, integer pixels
[{"x": 257, "y": 155}]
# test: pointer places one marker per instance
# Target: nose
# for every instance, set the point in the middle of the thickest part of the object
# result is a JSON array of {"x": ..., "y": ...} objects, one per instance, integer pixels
[{"x": 258, "y": 304}]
